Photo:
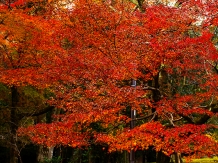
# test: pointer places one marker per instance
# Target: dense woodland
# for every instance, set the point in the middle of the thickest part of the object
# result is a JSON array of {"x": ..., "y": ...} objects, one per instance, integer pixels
[{"x": 108, "y": 81}]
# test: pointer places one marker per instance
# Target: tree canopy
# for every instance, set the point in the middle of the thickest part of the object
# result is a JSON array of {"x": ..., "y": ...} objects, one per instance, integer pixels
[{"x": 88, "y": 54}]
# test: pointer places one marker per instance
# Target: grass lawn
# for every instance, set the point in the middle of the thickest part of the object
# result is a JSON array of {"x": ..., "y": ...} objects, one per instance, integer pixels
[
  {"x": 202, "y": 160},
  {"x": 205, "y": 160}
]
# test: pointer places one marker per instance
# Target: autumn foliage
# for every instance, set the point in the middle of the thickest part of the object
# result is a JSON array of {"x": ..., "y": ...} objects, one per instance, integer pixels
[{"x": 89, "y": 55}]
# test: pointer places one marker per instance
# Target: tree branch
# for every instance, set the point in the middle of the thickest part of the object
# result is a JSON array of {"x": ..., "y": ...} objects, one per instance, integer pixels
[
  {"x": 145, "y": 117},
  {"x": 150, "y": 88}
]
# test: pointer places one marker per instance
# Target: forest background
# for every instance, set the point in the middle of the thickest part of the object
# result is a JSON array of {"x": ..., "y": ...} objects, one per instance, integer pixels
[{"x": 91, "y": 81}]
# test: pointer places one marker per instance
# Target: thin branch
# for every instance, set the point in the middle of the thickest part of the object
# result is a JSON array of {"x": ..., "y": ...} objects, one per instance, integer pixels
[
  {"x": 150, "y": 88},
  {"x": 205, "y": 67},
  {"x": 171, "y": 119},
  {"x": 178, "y": 119},
  {"x": 155, "y": 113},
  {"x": 145, "y": 117}
]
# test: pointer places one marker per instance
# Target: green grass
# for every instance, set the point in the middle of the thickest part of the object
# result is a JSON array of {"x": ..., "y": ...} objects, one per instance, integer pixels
[
  {"x": 202, "y": 160},
  {"x": 205, "y": 160}
]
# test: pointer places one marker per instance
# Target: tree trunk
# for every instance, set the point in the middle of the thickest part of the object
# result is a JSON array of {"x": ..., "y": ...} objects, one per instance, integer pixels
[
  {"x": 159, "y": 79},
  {"x": 13, "y": 125},
  {"x": 178, "y": 158},
  {"x": 162, "y": 158},
  {"x": 13, "y": 155}
]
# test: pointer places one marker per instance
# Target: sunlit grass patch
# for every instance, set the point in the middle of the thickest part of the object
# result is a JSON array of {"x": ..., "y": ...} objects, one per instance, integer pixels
[{"x": 205, "y": 160}]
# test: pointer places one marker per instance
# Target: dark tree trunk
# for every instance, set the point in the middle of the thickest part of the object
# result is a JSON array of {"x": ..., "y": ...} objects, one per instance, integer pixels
[
  {"x": 162, "y": 158},
  {"x": 156, "y": 95},
  {"x": 13, "y": 125}
]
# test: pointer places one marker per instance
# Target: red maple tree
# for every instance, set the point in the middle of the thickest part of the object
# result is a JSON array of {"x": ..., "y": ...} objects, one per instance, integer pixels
[
  {"x": 28, "y": 54},
  {"x": 100, "y": 48}
]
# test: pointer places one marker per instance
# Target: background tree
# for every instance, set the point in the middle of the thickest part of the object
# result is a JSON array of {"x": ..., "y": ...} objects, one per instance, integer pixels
[{"x": 25, "y": 47}]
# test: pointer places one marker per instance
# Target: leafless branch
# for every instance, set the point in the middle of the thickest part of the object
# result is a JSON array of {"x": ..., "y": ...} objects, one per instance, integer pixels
[
  {"x": 145, "y": 117},
  {"x": 150, "y": 88},
  {"x": 154, "y": 115}
]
